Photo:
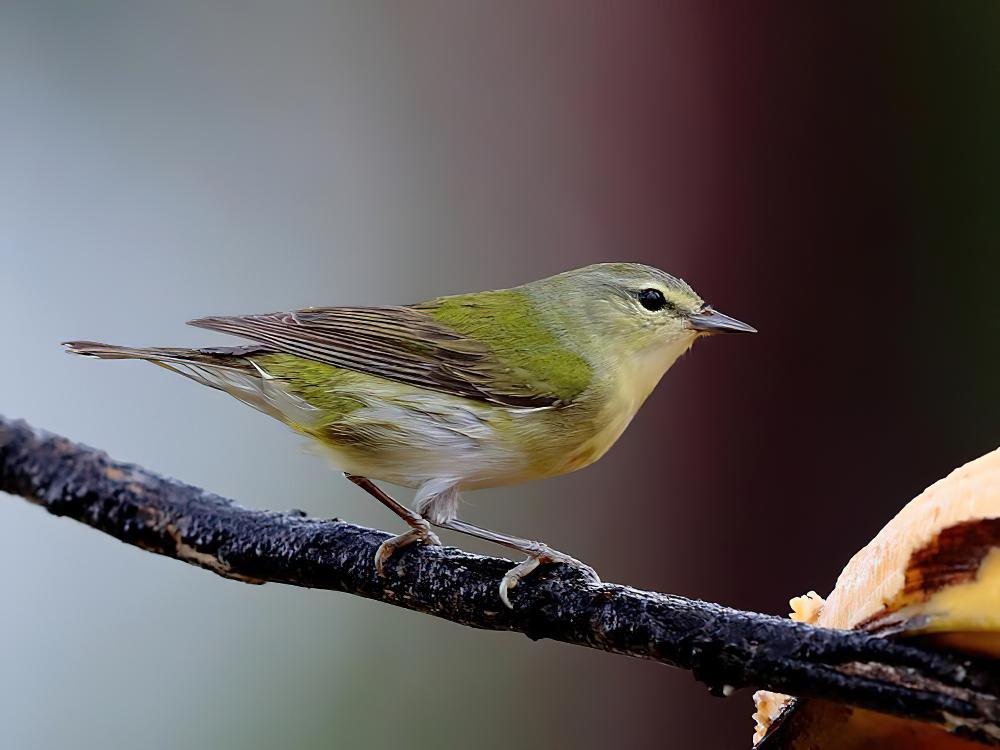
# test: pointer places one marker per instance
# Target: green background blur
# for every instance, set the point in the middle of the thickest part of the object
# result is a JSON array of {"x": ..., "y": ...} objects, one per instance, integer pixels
[{"x": 829, "y": 174}]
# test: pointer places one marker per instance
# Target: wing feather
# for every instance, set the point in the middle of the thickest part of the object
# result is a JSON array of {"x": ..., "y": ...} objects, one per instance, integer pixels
[{"x": 398, "y": 343}]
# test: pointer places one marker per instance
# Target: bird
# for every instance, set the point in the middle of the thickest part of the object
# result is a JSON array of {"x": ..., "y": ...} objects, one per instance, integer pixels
[{"x": 459, "y": 392}]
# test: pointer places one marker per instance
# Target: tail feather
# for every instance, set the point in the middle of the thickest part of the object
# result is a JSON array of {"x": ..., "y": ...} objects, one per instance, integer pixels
[
  {"x": 216, "y": 357},
  {"x": 228, "y": 369}
]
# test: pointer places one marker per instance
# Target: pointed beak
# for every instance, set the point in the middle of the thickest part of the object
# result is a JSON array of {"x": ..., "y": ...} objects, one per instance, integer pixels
[{"x": 709, "y": 321}]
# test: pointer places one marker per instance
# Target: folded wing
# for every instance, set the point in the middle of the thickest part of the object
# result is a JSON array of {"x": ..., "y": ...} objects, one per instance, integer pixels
[{"x": 402, "y": 344}]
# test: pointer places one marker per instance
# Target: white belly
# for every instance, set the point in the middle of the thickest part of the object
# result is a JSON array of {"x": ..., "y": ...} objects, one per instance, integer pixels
[{"x": 432, "y": 436}]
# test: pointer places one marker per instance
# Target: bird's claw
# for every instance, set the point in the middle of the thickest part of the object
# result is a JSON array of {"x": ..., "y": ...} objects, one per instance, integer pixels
[
  {"x": 387, "y": 549},
  {"x": 540, "y": 555}
]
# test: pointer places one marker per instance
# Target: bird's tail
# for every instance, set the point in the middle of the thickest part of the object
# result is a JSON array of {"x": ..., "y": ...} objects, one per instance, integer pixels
[
  {"x": 229, "y": 369},
  {"x": 228, "y": 357}
]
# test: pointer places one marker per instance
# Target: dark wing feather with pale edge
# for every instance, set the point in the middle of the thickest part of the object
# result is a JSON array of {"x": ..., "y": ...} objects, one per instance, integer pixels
[{"x": 397, "y": 343}]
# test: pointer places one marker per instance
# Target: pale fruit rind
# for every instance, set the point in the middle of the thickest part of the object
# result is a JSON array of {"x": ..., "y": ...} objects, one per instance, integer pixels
[{"x": 933, "y": 571}]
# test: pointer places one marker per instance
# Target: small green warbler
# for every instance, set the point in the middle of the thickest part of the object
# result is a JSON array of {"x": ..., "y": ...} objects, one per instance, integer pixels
[{"x": 461, "y": 392}]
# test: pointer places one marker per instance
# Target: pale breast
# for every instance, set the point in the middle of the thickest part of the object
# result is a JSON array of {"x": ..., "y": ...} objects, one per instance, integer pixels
[
  {"x": 621, "y": 395},
  {"x": 407, "y": 435}
]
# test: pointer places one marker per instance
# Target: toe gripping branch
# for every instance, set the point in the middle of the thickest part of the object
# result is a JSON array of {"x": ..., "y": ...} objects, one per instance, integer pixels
[{"x": 724, "y": 648}]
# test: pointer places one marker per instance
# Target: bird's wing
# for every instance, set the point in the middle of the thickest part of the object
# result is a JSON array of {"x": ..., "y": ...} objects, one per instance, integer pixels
[{"x": 408, "y": 345}]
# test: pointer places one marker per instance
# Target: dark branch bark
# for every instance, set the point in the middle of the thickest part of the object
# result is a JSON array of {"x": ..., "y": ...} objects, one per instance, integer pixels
[{"x": 723, "y": 647}]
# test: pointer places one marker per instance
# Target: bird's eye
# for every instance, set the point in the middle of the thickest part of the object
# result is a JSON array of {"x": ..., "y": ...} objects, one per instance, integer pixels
[{"x": 652, "y": 299}]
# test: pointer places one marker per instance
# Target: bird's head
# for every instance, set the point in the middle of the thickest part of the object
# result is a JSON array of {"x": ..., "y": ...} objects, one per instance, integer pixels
[{"x": 629, "y": 310}]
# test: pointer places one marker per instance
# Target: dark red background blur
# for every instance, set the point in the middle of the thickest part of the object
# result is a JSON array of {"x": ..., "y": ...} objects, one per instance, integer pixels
[{"x": 851, "y": 153}]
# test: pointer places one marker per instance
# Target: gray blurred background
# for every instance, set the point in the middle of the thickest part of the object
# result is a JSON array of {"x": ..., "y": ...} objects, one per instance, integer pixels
[{"x": 826, "y": 173}]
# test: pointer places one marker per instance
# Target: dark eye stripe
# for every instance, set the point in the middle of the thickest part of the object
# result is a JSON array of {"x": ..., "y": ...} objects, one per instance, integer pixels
[{"x": 652, "y": 299}]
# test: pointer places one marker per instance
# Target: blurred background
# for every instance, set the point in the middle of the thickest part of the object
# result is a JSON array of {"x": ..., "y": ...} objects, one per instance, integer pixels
[{"x": 828, "y": 174}]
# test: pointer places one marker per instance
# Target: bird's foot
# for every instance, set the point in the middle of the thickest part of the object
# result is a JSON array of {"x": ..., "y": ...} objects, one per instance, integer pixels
[
  {"x": 539, "y": 554},
  {"x": 421, "y": 532}
]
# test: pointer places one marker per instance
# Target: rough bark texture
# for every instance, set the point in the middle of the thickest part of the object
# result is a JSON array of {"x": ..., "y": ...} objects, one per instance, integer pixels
[{"x": 724, "y": 648}]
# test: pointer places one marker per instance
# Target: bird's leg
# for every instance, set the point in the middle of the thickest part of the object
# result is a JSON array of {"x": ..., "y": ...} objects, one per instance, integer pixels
[
  {"x": 538, "y": 554},
  {"x": 420, "y": 530}
]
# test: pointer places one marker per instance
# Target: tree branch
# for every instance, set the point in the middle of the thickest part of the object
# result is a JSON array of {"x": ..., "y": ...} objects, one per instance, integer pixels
[{"x": 724, "y": 648}]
